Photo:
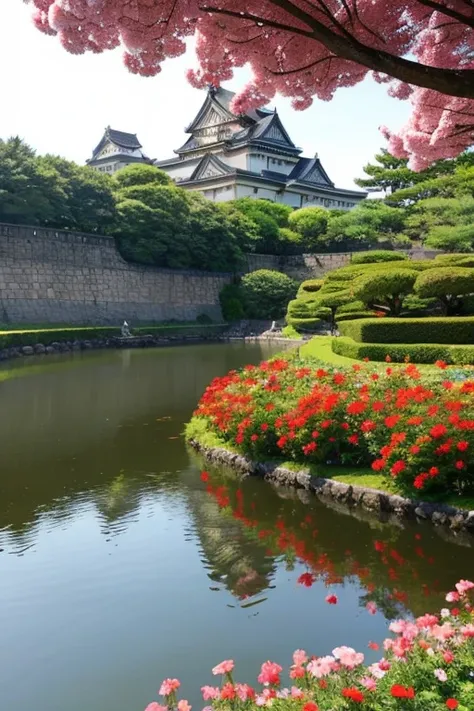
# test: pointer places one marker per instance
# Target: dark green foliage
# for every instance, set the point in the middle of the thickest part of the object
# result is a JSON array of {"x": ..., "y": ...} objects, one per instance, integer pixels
[
  {"x": 448, "y": 284},
  {"x": 399, "y": 352},
  {"x": 311, "y": 224},
  {"x": 231, "y": 301},
  {"x": 458, "y": 330},
  {"x": 385, "y": 289},
  {"x": 266, "y": 293},
  {"x": 140, "y": 174},
  {"x": 304, "y": 325},
  {"x": 377, "y": 255}
]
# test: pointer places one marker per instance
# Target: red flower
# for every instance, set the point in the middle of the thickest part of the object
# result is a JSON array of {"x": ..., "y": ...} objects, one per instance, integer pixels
[
  {"x": 356, "y": 408},
  {"x": 388, "y": 359},
  {"x": 438, "y": 431},
  {"x": 310, "y": 706},
  {"x": 353, "y": 694},
  {"x": 204, "y": 476},
  {"x": 264, "y": 427},
  {"x": 228, "y": 691},
  {"x": 322, "y": 683},
  {"x": 459, "y": 464},
  {"x": 339, "y": 378},
  {"x": 331, "y": 599},
  {"x": 402, "y": 692},
  {"x": 462, "y": 446},
  {"x": 306, "y": 579},
  {"x": 378, "y": 464},
  {"x": 414, "y": 449},
  {"x": 374, "y": 646},
  {"x": 254, "y": 437},
  {"x": 308, "y": 448},
  {"x": 419, "y": 481},
  {"x": 441, "y": 364},
  {"x": 452, "y": 704},
  {"x": 368, "y": 426},
  {"x": 392, "y": 420},
  {"x": 398, "y": 467},
  {"x": 353, "y": 439},
  {"x": 282, "y": 441}
]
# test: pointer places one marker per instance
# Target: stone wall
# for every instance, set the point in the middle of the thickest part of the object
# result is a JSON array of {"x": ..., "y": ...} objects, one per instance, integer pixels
[
  {"x": 51, "y": 276},
  {"x": 309, "y": 266}
]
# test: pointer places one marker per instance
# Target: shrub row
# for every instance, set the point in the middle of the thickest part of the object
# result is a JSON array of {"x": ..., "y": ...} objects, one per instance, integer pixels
[
  {"x": 378, "y": 255},
  {"x": 400, "y": 352},
  {"x": 303, "y": 324},
  {"x": 47, "y": 336},
  {"x": 451, "y": 330}
]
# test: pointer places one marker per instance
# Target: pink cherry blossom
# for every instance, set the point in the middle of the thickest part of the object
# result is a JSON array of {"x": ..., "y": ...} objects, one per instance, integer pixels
[
  {"x": 287, "y": 56},
  {"x": 224, "y": 667},
  {"x": 168, "y": 686}
]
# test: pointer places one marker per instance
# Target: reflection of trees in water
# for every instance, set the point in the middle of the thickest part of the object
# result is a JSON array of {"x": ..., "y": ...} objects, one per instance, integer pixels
[{"x": 232, "y": 560}]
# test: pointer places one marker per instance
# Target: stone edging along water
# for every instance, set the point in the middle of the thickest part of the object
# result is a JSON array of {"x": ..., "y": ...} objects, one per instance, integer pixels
[{"x": 376, "y": 502}]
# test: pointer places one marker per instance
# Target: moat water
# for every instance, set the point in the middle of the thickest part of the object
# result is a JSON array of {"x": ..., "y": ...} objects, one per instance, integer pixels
[{"x": 120, "y": 564}]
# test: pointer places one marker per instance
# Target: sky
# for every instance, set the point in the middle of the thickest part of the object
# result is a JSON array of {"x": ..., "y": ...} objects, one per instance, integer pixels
[{"x": 61, "y": 103}]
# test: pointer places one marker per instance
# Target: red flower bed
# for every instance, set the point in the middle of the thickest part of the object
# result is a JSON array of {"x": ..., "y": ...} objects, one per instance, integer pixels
[{"x": 415, "y": 428}]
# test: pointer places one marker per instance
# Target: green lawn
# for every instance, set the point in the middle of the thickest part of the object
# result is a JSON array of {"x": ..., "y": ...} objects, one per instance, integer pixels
[{"x": 320, "y": 347}]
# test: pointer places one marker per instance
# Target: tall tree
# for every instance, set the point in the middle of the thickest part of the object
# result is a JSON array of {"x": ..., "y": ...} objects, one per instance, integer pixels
[
  {"x": 31, "y": 193},
  {"x": 302, "y": 48},
  {"x": 90, "y": 203}
]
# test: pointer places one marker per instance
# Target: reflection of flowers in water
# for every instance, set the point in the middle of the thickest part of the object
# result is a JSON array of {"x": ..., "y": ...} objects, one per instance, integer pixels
[
  {"x": 249, "y": 584},
  {"x": 389, "y": 579}
]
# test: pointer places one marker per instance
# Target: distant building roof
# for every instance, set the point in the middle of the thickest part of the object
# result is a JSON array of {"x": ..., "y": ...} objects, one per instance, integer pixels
[{"x": 120, "y": 138}]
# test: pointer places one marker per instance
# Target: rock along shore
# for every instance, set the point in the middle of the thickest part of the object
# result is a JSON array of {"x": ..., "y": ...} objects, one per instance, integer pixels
[{"x": 385, "y": 506}]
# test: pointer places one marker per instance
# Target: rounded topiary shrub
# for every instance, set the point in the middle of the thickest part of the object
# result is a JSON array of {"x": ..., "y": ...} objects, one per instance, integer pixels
[
  {"x": 378, "y": 255},
  {"x": 312, "y": 285},
  {"x": 266, "y": 293}
]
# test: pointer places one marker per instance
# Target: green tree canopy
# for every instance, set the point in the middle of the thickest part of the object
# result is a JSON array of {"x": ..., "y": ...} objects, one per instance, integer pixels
[
  {"x": 89, "y": 204},
  {"x": 311, "y": 223},
  {"x": 31, "y": 193},
  {"x": 266, "y": 293},
  {"x": 448, "y": 284},
  {"x": 385, "y": 289},
  {"x": 141, "y": 174}
]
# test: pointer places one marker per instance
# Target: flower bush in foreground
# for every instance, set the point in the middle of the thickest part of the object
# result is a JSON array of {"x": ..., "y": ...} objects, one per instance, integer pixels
[
  {"x": 428, "y": 665},
  {"x": 417, "y": 429}
]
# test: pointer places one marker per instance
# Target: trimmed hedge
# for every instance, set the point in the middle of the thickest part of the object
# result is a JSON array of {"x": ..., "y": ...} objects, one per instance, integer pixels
[
  {"x": 399, "y": 352},
  {"x": 458, "y": 330},
  {"x": 353, "y": 315},
  {"x": 378, "y": 255},
  {"x": 303, "y": 324},
  {"x": 9, "y": 339},
  {"x": 312, "y": 285}
]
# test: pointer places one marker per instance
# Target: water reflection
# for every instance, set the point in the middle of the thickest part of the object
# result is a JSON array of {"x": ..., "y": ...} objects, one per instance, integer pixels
[{"x": 118, "y": 559}]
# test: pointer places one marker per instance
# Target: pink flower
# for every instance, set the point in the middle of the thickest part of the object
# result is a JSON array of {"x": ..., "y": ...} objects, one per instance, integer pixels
[
  {"x": 452, "y": 597},
  {"x": 299, "y": 657},
  {"x": 440, "y": 674},
  {"x": 244, "y": 692},
  {"x": 331, "y": 599},
  {"x": 376, "y": 671},
  {"x": 296, "y": 693},
  {"x": 321, "y": 667},
  {"x": 209, "y": 692},
  {"x": 269, "y": 673},
  {"x": 371, "y": 607},
  {"x": 154, "y": 706},
  {"x": 428, "y": 620},
  {"x": 348, "y": 657},
  {"x": 463, "y": 586},
  {"x": 369, "y": 683},
  {"x": 224, "y": 667},
  {"x": 168, "y": 686},
  {"x": 467, "y": 631}
]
